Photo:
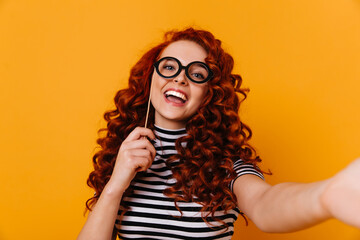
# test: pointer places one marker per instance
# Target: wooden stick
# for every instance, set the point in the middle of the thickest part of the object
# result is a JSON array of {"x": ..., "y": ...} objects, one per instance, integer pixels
[{"x": 148, "y": 106}]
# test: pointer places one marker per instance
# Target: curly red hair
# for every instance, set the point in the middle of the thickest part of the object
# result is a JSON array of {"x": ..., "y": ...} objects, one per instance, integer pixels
[{"x": 216, "y": 136}]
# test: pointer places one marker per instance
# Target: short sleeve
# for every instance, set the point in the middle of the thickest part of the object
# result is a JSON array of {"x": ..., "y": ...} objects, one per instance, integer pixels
[{"x": 242, "y": 168}]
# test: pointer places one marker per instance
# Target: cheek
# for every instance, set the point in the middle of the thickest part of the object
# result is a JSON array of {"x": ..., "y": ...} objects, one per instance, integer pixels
[
  {"x": 154, "y": 81},
  {"x": 155, "y": 85},
  {"x": 206, "y": 90},
  {"x": 157, "y": 82},
  {"x": 201, "y": 93}
]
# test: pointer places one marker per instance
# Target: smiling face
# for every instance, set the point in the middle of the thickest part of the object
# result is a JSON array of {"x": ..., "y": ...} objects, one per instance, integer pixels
[{"x": 177, "y": 99}]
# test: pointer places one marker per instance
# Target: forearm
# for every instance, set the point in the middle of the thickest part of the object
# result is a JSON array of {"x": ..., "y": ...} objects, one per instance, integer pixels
[
  {"x": 135, "y": 154},
  {"x": 288, "y": 207},
  {"x": 101, "y": 219}
]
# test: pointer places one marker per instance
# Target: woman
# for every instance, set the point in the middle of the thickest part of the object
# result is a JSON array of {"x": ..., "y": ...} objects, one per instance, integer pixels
[{"x": 188, "y": 174}]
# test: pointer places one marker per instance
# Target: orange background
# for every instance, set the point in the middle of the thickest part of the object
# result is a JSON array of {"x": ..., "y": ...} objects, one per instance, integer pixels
[{"x": 61, "y": 63}]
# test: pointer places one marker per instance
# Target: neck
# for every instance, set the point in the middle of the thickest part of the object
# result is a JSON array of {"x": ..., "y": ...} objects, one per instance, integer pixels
[{"x": 171, "y": 125}]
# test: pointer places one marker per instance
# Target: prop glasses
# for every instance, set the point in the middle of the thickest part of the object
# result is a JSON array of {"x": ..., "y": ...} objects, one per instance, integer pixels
[{"x": 170, "y": 67}]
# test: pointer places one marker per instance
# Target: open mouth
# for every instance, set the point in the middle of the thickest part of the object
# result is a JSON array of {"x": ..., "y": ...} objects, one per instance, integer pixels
[{"x": 176, "y": 97}]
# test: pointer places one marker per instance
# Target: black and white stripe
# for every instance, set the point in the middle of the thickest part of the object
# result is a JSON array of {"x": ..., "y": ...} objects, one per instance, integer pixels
[{"x": 152, "y": 215}]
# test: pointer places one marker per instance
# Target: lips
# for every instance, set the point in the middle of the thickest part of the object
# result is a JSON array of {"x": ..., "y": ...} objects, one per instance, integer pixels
[{"x": 175, "y": 96}]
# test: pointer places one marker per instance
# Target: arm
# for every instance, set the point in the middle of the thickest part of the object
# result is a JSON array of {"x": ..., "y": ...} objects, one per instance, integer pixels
[
  {"x": 288, "y": 207},
  {"x": 135, "y": 154},
  {"x": 101, "y": 220}
]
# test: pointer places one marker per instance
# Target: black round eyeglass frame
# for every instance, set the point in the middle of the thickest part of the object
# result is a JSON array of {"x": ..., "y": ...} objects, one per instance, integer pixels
[{"x": 181, "y": 67}]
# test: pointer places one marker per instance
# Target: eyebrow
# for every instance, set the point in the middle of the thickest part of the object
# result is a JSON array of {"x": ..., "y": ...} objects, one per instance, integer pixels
[{"x": 181, "y": 61}]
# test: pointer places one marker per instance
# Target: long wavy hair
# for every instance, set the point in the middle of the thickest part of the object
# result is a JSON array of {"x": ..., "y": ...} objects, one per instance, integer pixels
[{"x": 216, "y": 137}]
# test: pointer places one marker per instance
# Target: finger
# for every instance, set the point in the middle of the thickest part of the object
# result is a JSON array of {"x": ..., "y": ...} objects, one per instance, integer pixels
[
  {"x": 139, "y": 132},
  {"x": 150, "y": 148},
  {"x": 141, "y": 143},
  {"x": 141, "y": 163},
  {"x": 141, "y": 153},
  {"x": 131, "y": 159},
  {"x": 146, "y": 154}
]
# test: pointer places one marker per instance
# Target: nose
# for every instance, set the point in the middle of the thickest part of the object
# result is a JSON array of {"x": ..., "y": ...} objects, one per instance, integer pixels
[{"x": 181, "y": 78}]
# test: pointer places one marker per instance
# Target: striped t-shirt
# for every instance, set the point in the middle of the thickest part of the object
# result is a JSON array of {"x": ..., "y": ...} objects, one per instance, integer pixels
[{"x": 152, "y": 215}]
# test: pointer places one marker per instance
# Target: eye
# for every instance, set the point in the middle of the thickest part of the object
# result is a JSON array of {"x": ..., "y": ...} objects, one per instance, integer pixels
[
  {"x": 198, "y": 75},
  {"x": 198, "y": 72},
  {"x": 168, "y": 67}
]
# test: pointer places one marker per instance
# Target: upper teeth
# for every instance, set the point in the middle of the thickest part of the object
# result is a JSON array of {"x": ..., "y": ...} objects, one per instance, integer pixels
[{"x": 176, "y": 94}]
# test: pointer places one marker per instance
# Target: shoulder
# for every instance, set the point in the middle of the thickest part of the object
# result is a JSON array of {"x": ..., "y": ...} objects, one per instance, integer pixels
[{"x": 241, "y": 168}]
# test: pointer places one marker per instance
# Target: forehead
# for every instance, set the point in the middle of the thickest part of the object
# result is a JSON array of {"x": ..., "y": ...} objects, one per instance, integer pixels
[{"x": 186, "y": 51}]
